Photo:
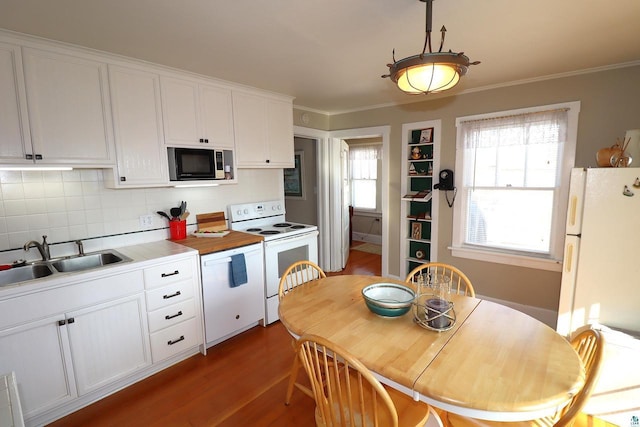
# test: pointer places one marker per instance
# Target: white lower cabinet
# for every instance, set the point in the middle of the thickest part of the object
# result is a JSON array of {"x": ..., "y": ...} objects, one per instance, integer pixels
[
  {"x": 38, "y": 353},
  {"x": 172, "y": 293},
  {"x": 108, "y": 342},
  {"x": 72, "y": 344},
  {"x": 74, "y": 351}
]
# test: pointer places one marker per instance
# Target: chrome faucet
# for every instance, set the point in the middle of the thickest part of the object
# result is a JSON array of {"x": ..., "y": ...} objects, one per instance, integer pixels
[
  {"x": 80, "y": 247},
  {"x": 43, "y": 248}
]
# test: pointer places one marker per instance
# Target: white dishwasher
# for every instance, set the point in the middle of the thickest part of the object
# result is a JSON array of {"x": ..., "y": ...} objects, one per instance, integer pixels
[{"x": 232, "y": 306}]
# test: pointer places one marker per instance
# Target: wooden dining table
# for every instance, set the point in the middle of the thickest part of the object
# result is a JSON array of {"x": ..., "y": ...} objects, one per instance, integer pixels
[{"x": 495, "y": 363}]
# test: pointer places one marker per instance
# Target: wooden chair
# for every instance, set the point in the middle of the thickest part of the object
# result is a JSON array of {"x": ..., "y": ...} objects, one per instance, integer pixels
[
  {"x": 347, "y": 393},
  {"x": 460, "y": 283},
  {"x": 589, "y": 344},
  {"x": 297, "y": 274}
]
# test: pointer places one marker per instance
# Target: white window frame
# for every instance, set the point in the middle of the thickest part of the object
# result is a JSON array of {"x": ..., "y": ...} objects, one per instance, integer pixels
[
  {"x": 552, "y": 263},
  {"x": 377, "y": 209}
]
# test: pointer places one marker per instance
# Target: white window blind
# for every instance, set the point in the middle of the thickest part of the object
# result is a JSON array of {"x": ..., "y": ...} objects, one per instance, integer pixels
[{"x": 364, "y": 174}]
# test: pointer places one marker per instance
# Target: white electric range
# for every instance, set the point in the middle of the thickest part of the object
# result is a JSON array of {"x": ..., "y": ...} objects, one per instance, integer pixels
[{"x": 285, "y": 242}]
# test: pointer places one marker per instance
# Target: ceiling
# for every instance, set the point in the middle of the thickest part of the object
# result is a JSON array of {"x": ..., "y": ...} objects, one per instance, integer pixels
[{"x": 330, "y": 54}]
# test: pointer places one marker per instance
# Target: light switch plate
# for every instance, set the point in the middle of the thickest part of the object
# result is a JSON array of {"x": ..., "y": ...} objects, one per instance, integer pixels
[{"x": 146, "y": 221}]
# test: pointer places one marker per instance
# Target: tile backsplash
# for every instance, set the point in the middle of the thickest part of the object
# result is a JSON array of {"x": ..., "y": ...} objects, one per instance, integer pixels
[{"x": 71, "y": 205}]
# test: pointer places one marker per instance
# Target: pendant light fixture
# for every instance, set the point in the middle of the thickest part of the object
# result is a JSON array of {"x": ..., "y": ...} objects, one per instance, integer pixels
[{"x": 429, "y": 71}]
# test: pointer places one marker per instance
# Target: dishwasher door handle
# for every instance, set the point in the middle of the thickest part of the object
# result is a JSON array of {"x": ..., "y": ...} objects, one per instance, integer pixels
[{"x": 224, "y": 260}]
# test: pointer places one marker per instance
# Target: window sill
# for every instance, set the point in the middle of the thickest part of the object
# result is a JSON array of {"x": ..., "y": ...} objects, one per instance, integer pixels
[
  {"x": 370, "y": 213},
  {"x": 501, "y": 258}
]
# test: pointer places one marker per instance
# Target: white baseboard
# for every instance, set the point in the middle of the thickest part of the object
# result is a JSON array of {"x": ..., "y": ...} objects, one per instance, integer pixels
[
  {"x": 548, "y": 317},
  {"x": 369, "y": 238}
]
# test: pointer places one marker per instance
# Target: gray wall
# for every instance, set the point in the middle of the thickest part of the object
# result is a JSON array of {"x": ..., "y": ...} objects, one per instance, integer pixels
[
  {"x": 305, "y": 211},
  {"x": 610, "y": 104}
]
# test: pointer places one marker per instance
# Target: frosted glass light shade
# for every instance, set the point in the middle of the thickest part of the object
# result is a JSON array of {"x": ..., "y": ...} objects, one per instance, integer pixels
[
  {"x": 428, "y": 78},
  {"x": 429, "y": 72}
]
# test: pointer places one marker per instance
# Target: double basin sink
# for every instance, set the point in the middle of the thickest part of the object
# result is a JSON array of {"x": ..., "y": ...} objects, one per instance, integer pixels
[{"x": 70, "y": 264}]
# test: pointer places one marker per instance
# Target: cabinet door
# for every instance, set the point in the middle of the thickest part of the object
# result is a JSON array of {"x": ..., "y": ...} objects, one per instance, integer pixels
[
  {"x": 180, "y": 112},
  {"x": 69, "y": 109},
  {"x": 250, "y": 127},
  {"x": 108, "y": 342},
  {"x": 38, "y": 353},
  {"x": 14, "y": 127},
  {"x": 264, "y": 131},
  {"x": 217, "y": 116},
  {"x": 137, "y": 121},
  {"x": 280, "y": 133}
]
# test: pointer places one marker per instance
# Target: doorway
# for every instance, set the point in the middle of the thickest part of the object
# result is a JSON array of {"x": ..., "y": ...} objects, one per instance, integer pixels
[{"x": 329, "y": 191}]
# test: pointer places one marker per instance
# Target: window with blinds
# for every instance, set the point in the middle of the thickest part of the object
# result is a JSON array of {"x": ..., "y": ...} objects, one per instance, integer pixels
[{"x": 513, "y": 171}]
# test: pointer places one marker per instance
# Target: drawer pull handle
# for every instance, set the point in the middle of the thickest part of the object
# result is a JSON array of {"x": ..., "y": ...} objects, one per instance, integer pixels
[
  {"x": 167, "y": 317},
  {"x": 176, "y": 341},
  {"x": 170, "y": 274},
  {"x": 172, "y": 295}
]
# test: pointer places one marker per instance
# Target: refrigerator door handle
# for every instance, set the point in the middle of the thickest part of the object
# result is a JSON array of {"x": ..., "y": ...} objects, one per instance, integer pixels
[
  {"x": 573, "y": 211},
  {"x": 568, "y": 265}
]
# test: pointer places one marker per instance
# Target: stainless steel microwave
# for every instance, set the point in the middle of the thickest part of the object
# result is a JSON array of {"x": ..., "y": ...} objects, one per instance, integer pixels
[{"x": 187, "y": 164}]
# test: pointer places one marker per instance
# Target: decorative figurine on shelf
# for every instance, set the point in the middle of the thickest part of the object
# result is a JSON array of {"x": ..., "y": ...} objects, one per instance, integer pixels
[{"x": 415, "y": 153}]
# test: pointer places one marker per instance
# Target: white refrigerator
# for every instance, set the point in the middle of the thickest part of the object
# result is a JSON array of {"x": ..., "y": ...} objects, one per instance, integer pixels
[{"x": 601, "y": 281}]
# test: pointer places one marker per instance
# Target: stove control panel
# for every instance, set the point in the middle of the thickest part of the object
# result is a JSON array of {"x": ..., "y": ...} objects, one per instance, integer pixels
[{"x": 247, "y": 211}]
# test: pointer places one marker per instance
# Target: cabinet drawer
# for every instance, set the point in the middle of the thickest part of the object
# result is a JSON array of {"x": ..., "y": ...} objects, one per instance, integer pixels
[
  {"x": 173, "y": 340},
  {"x": 171, "y": 315},
  {"x": 168, "y": 273},
  {"x": 169, "y": 295}
]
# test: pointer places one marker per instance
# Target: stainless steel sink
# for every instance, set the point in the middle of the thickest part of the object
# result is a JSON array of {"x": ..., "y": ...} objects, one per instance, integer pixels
[
  {"x": 27, "y": 272},
  {"x": 88, "y": 261},
  {"x": 40, "y": 269}
]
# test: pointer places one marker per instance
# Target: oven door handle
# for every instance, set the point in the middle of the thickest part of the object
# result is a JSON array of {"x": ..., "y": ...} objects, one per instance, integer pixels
[{"x": 290, "y": 239}]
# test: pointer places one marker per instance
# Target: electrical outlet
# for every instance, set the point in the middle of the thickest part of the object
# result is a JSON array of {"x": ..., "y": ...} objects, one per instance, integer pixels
[{"x": 146, "y": 221}]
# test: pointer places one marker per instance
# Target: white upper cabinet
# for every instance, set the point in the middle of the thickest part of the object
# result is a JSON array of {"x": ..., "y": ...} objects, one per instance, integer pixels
[
  {"x": 197, "y": 114},
  {"x": 14, "y": 126},
  {"x": 69, "y": 109},
  {"x": 264, "y": 131},
  {"x": 137, "y": 124}
]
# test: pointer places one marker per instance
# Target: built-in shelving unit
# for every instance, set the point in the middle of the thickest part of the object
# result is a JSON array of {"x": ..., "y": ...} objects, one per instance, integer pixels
[{"x": 419, "y": 209}]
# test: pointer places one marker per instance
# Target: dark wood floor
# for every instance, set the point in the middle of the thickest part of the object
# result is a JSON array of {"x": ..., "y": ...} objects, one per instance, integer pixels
[{"x": 241, "y": 382}]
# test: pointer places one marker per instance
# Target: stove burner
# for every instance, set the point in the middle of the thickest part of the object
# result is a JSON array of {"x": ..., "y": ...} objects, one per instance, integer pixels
[
  {"x": 270, "y": 232},
  {"x": 298, "y": 226},
  {"x": 282, "y": 224},
  {"x": 253, "y": 230}
]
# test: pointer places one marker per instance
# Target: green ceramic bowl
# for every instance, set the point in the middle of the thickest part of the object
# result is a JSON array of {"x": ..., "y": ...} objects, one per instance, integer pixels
[{"x": 388, "y": 299}]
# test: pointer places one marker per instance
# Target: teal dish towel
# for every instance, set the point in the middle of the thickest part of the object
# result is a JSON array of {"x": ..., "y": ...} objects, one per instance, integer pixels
[{"x": 238, "y": 270}]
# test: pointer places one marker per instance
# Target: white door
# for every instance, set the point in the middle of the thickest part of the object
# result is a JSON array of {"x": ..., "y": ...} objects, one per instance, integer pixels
[
  {"x": 137, "y": 123},
  {"x": 68, "y": 105},
  {"x": 109, "y": 341},
  {"x": 346, "y": 200},
  {"x": 38, "y": 352},
  {"x": 14, "y": 126}
]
